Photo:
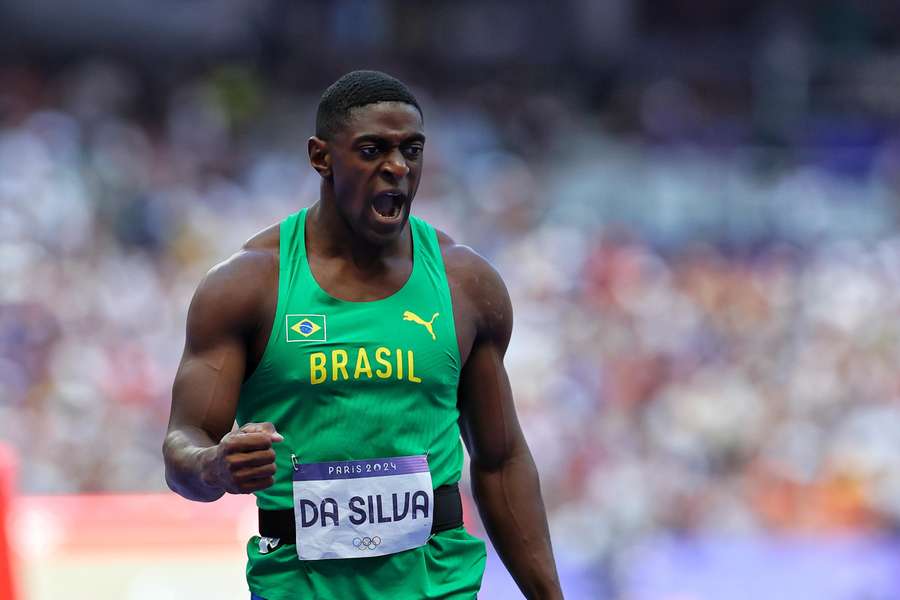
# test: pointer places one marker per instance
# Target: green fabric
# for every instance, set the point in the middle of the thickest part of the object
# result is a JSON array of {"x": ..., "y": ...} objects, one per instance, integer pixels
[
  {"x": 354, "y": 380},
  {"x": 450, "y": 565}
]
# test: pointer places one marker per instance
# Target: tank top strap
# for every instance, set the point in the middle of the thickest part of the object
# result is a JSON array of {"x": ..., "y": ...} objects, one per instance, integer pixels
[
  {"x": 433, "y": 275},
  {"x": 292, "y": 251},
  {"x": 425, "y": 247}
]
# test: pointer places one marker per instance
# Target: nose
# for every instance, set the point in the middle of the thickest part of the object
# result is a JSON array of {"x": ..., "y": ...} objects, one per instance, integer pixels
[{"x": 395, "y": 165}]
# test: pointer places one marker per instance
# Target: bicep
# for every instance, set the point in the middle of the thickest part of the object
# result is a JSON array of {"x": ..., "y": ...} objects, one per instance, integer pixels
[{"x": 208, "y": 382}]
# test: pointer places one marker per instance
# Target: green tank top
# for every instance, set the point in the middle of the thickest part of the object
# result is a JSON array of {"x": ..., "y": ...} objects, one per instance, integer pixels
[
  {"x": 347, "y": 380},
  {"x": 356, "y": 380}
]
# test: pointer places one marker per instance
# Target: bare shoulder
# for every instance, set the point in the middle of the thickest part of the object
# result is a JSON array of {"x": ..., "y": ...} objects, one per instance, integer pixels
[
  {"x": 465, "y": 266},
  {"x": 266, "y": 240},
  {"x": 231, "y": 297},
  {"x": 244, "y": 273},
  {"x": 483, "y": 289}
]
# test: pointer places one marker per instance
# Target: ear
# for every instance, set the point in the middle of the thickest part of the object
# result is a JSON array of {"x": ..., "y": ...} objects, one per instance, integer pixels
[{"x": 319, "y": 157}]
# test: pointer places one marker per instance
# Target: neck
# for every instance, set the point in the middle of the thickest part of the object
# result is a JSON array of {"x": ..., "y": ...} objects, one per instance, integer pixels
[{"x": 330, "y": 236}]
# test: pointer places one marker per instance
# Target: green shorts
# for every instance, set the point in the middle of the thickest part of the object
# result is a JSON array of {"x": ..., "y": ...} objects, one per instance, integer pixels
[{"x": 450, "y": 565}]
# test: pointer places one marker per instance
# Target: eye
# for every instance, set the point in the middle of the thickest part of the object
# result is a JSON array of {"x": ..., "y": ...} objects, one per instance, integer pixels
[
  {"x": 414, "y": 151},
  {"x": 368, "y": 151}
]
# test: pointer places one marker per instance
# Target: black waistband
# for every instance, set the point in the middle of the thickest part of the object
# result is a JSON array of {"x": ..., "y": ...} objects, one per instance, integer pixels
[{"x": 447, "y": 515}]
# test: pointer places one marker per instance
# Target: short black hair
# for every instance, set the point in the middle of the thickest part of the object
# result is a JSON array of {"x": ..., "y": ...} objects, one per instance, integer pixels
[{"x": 358, "y": 88}]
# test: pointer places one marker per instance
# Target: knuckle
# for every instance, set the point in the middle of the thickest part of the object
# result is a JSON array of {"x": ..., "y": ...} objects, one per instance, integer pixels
[
  {"x": 263, "y": 471},
  {"x": 256, "y": 438}
]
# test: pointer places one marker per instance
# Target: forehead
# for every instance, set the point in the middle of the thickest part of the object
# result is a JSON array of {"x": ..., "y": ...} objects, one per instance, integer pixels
[{"x": 387, "y": 119}]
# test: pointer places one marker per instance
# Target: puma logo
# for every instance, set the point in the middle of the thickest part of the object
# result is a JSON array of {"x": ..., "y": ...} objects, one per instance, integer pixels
[
  {"x": 268, "y": 544},
  {"x": 408, "y": 315}
]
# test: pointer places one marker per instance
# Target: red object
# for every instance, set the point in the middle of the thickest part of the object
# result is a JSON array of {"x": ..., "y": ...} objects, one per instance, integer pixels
[{"x": 7, "y": 486}]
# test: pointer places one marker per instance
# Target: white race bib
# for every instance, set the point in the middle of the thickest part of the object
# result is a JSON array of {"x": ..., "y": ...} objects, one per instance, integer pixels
[{"x": 358, "y": 508}]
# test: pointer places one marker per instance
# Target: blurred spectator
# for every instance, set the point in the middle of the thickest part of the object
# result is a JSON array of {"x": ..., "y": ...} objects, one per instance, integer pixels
[{"x": 705, "y": 273}]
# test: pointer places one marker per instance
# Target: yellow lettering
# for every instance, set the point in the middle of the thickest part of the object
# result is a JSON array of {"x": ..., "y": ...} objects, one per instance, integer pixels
[
  {"x": 317, "y": 373},
  {"x": 362, "y": 365},
  {"x": 412, "y": 367},
  {"x": 380, "y": 354},
  {"x": 339, "y": 360}
]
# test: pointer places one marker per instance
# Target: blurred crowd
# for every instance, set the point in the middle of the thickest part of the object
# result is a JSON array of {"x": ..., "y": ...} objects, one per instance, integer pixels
[{"x": 707, "y": 328}]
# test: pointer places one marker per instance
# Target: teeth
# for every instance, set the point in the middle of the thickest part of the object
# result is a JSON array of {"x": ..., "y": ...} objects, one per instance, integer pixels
[{"x": 388, "y": 205}]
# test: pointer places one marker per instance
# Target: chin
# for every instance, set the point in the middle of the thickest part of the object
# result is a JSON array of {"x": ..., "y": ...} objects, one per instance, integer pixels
[
  {"x": 381, "y": 233},
  {"x": 379, "y": 237}
]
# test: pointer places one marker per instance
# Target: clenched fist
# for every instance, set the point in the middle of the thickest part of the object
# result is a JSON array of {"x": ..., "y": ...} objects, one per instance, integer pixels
[{"x": 244, "y": 461}]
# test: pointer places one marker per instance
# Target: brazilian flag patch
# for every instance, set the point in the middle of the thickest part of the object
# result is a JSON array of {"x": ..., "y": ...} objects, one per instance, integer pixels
[{"x": 305, "y": 328}]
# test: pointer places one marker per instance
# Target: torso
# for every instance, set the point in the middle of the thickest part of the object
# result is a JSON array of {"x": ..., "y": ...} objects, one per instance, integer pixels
[
  {"x": 350, "y": 417},
  {"x": 339, "y": 280}
]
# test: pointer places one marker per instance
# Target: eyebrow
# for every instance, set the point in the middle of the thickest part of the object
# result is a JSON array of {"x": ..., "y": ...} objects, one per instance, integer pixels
[{"x": 373, "y": 137}]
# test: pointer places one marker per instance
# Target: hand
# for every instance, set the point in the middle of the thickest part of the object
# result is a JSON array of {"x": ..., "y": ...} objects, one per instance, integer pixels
[{"x": 244, "y": 461}]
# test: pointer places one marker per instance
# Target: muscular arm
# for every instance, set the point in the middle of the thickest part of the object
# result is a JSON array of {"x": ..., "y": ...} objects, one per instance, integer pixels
[
  {"x": 203, "y": 457},
  {"x": 504, "y": 478}
]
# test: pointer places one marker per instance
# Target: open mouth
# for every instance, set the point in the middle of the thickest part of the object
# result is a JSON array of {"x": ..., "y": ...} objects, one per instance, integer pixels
[{"x": 388, "y": 207}]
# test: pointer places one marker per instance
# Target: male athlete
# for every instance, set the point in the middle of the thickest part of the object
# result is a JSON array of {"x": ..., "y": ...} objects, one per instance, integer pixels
[{"x": 353, "y": 344}]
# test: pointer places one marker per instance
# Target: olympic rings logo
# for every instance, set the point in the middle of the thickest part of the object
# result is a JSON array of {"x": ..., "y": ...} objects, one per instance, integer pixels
[{"x": 366, "y": 543}]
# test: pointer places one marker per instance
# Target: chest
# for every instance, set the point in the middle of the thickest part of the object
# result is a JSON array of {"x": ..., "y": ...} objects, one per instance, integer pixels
[
  {"x": 328, "y": 341},
  {"x": 350, "y": 347}
]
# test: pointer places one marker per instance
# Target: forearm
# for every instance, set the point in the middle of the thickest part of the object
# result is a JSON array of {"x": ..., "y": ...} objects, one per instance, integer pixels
[
  {"x": 509, "y": 501},
  {"x": 188, "y": 452}
]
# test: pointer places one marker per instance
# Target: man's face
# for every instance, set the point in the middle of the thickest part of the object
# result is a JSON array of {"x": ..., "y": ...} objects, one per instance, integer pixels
[{"x": 376, "y": 163}]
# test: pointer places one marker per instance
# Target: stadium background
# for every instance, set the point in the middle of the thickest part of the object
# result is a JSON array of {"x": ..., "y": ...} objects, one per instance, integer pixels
[{"x": 694, "y": 205}]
